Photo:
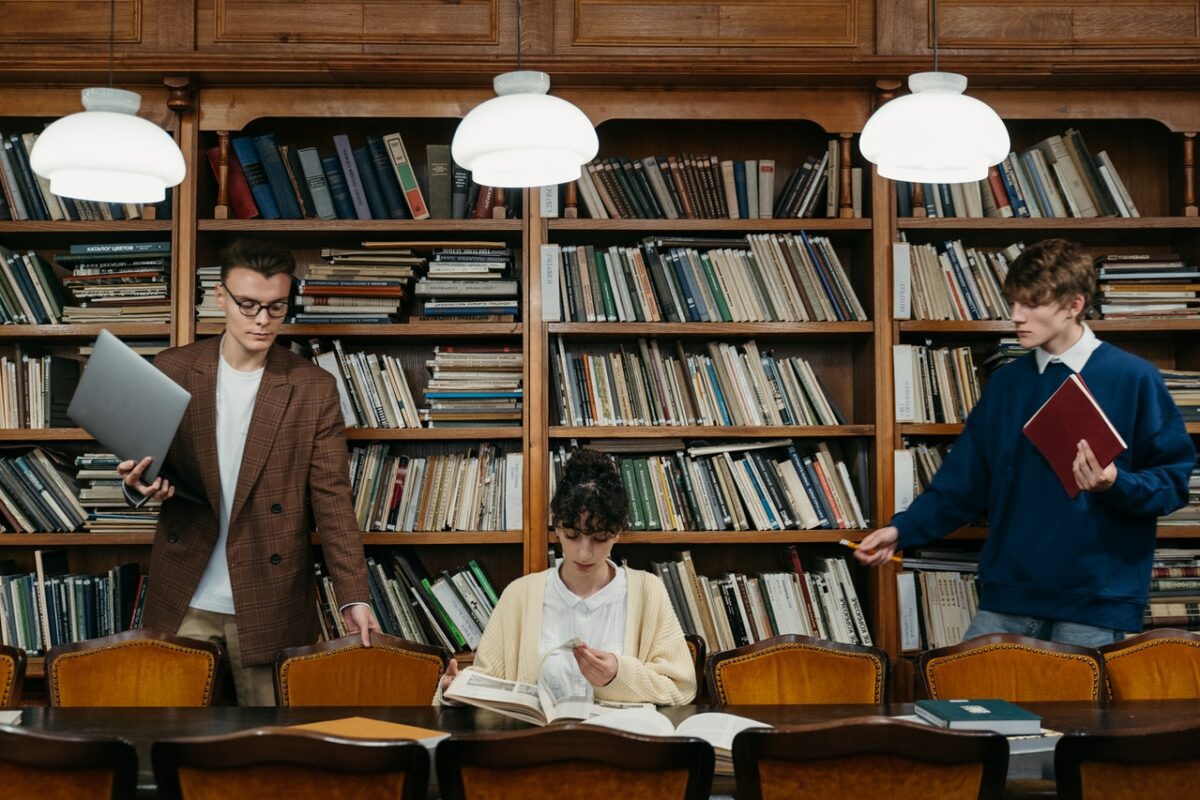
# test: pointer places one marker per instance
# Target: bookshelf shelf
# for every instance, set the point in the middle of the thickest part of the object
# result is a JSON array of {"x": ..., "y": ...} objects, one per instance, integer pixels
[
  {"x": 444, "y": 537},
  {"x": 710, "y": 431},
  {"x": 956, "y": 326},
  {"x": 128, "y": 331},
  {"x": 44, "y": 435},
  {"x": 430, "y": 434},
  {"x": 737, "y": 537},
  {"x": 421, "y": 330},
  {"x": 997, "y": 326},
  {"x": 68, "y": 227},
  {"x": 1051, "y": 224},
  {"x": 74, "y": 539},
  {"x": 327, "y": 227},
  {"x": 931, "y": 429},
  {"x": 704, "y": 226},
  {"x": 723, "y": 329},
  {"x": 1164, "y": 532}
]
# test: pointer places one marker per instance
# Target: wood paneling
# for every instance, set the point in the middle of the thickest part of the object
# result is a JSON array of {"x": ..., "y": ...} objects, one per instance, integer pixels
[
  {"x": 1068, "y": 23},
  {"x": 760, "y": 26},
  {"x": 72, "y": 22}
]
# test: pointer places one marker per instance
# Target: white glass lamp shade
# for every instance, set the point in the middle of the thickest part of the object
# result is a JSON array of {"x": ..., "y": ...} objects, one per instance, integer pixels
[
  {"x": 107, "y": 153},
  {"x": 524, "y": 137},
  {"x": 936, "y": 134}
]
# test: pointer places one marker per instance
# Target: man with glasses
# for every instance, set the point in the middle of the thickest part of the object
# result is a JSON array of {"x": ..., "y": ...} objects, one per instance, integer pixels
[{"x": 263, "y": 438}]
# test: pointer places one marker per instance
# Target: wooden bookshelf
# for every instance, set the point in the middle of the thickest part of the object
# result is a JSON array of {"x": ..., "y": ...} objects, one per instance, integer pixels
[
  {"x": 688, "y": 538},
  {"x": 45, "y": 333},
  {"x": 707, "y": 329},
  {"x": 707, "y": 226},
  {"x": 431, "y": 331},
  {"x": 710, "y": 431}
]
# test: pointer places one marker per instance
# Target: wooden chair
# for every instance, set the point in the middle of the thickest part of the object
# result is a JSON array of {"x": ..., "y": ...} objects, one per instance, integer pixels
[
  {"x": 134, "y": 668},
  {"x": 697, "y": 650},
  {"x": 391, "y": 672},
  {"x": 573, "y": 761},
  {"x": 298, "y": 765},
  {"x": 35, "y": 765},
  {"x": 1011, "y": 667},
  {"x": 12, "y": 674},
  {"x": 796, "y": 669},
  {"x": 1148, "y": 764},
  {"x": 1156, "y": 665},
  {"x": 869, "y": 757}
]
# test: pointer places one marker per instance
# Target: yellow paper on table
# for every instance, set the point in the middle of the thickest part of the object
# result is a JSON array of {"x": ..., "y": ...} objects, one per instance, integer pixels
[{"x": 364, "y": 728}]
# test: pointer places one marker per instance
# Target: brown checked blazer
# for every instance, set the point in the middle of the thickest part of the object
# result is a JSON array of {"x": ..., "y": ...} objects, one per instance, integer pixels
[{"x": 294, "y": 473}]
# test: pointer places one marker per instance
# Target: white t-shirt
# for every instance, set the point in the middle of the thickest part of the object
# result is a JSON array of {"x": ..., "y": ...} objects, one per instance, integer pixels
[
  {"x": 236, "y": 393},
  {"x": 598, "y": 620}
]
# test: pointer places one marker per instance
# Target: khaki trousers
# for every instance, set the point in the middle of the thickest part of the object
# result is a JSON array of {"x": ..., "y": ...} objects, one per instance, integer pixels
[{"x": 255, "y": 685}]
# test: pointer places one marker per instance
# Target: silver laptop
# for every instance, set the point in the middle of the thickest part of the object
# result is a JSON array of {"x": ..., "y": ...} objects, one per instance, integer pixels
[{"x": 131, "y": 408}]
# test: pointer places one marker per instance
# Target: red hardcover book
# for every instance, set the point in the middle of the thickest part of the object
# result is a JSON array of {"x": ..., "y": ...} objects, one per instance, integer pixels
[
  {"x": 1072, "y": 414},
  {"x": 240, "y": 199}
]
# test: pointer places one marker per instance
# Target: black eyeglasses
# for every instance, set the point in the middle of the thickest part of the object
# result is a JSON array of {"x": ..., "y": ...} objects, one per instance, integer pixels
[{"x": 250, "y": 308}]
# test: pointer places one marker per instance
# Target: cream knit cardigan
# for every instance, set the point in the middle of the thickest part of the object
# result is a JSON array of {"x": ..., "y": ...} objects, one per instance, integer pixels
[{"x": 655, "y": 667}]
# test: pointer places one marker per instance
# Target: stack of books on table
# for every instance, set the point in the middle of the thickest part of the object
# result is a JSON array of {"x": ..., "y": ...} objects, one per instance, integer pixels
[
  {"x": 473, "y": 282},
  {"x": 117, "y": 283},
  {"x": 474, "y": 386},
  {"x": 1147, "y": 285},
  {"x": 364, "y": 286},
  {"x": 102, "y": 496}
]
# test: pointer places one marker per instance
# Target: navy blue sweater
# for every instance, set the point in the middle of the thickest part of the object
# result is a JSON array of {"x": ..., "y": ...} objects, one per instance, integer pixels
[{"x": 1085, "y": 560}]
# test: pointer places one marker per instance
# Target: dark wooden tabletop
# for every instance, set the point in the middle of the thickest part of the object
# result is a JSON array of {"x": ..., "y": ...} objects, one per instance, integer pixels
[{"x": 144, "y": 726}]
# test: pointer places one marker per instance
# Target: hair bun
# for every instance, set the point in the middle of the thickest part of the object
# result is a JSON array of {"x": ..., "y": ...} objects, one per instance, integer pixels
[{"x": 587, "y": 465}]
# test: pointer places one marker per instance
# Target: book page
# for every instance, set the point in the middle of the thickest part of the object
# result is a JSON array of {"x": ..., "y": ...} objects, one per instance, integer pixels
[
  {"x": 642, "y": 721},
  {"x": 717, "y": 729},
  {"x": 512, "y": 698},
  {"x": 10, "y": 717}
]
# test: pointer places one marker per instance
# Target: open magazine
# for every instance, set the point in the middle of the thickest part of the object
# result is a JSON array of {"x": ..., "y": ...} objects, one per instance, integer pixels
[
  {"x": 540, "y": 703},
  {"x": 715, "y": 728}
]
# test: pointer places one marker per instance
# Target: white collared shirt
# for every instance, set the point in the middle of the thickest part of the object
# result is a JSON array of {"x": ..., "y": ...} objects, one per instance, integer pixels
[
  {"x": 1074, "y": 356},
  {"x": 598, "y": 620}
]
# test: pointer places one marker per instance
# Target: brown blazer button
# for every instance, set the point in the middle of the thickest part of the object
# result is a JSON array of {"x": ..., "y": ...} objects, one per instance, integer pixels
[
  {"x": 276, "y": 509},
  {"x": 275, "y": 559},
  {"x": 172, "y": 538}
]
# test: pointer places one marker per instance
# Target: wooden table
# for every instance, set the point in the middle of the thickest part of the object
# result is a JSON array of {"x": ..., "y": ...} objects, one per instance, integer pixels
[{"x": 144, "y": 726}]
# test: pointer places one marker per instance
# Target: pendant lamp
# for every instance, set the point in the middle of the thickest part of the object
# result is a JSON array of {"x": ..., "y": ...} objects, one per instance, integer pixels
[
  {"x": 936, "y": 134},
  {"x": 524, "y": 137},
  {"x": 107, "y": 153}
]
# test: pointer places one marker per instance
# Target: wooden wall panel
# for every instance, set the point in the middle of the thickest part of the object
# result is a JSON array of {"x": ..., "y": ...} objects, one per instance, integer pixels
[
  {"x": 72, "y": 23},
  {"x": 783, "y": 28},
  {"x": 350, "y": 26}
]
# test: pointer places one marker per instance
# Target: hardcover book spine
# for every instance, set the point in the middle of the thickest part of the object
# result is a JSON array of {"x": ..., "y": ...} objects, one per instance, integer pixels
[
  {"x": 406, "y": 176},
  {"x": 256, "y": 176},
  {"x": 337, "y": 187},
  {"x": 354, "y": 184},
  {"x": 318, "y": 186},
  {"x": 272, "y": 164}
]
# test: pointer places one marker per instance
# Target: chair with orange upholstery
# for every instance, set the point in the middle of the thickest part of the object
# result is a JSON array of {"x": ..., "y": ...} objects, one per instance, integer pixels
[
  {"x": 292, "y": 764},
  {"x": 1161, "y": 664},
  {"x": 391, "y": 672},
  {"x": 35, "y": 764},
  {"x": 1161, "y": 763},
  {"x": 869, "y": 757},
  {"x": 796, "y": 669},
  {"x": 1011, "y": 667},
  {"x": 134, "y": 668},
  {"x": 573, "y": 761},
  {"x": 12, "y": 674},
  {"x": 697, "y": 651}
]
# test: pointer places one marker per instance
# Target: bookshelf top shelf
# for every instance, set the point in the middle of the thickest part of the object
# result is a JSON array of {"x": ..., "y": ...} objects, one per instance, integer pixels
[
  {"x": 404, "y": 227},
  {"x": 1044, "y": 224},
  {"x": 13, "y": 227},
  {"x": 711, "y": 225},
  {"x": 710, "y": 431},
  {"x": 708, "y": 328},
  {"x": 123, "y": 331},
  {"x": 416, "y": 330}
]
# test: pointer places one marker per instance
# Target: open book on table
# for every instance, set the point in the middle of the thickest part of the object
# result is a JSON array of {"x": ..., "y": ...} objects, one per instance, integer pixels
[
  {"x": 715, "y": 728},
  {"x": 539, "y": 703}
]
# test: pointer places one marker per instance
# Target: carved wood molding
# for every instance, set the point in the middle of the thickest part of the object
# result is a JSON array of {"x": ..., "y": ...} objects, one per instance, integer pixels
[
  {"x": 228, "y": 109},
  {"x": 1178, "y": 110},
  {"x": 60, "y": 101}
]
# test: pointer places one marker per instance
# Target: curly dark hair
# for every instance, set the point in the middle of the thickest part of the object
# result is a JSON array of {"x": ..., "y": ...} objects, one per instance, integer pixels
[{"x": 591, "y": 498}]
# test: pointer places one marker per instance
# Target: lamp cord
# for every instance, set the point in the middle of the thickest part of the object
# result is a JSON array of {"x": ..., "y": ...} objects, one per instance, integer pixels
[
  {"x": 518, "y": 35},
  {"x": 112, "y": 39},
  {"x": 935, "y": 35}
]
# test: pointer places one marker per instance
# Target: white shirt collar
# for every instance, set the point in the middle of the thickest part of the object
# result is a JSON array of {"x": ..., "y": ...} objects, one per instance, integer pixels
[
  {"x": 614, "y": 590},
  {"x": 1074, "y": 356}
]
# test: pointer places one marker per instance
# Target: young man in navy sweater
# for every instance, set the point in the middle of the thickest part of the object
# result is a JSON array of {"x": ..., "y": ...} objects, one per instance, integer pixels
[{"x": 1075, "y": 571}]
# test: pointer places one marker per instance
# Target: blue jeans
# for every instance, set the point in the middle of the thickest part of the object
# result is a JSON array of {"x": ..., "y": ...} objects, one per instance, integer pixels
[{"x": 1039, "y": 628}]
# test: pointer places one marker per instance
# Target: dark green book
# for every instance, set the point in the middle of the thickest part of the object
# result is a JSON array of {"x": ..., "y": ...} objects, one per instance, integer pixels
[
  {"x": 637, "y": 511},
  {"x": 605, "y": 281},
  {"x": 642, "y": 469},
  {"x": 998, "y": 716}
]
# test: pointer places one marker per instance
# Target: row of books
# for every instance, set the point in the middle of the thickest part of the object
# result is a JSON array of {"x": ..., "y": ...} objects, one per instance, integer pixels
[
  {"x": 1145, "y": 285},
  {"x": 817, "y": 598},
  {"x": 936, "y": 599},
  {"x": 30, "y": 291},
  {"x": 1057, "y": 177},
  {"x": 372, "y": 387},
  {"x": 1190, "y": 513},
  {"x": 110, "y": 282},
  {"x": 354, "y": 286},
  {"x": 769, "y": 485},
  {"x": 25, "y": 195},
  {"x": 51, "y": 606},
  {"x": 477, "y": 490},
  {"x": 729, "y": 385},
  {"x": 1175, "y": 587},
  {"x": 475, "y": 282},
  {"x": 38, "y": 493},
  {"x": 761, "y": 278},
  {"x": 692, "y": 186},
  {"x": 934, "y": 384},
  {"x": 474, "y": 385},
  {"x": 35, "y": 389},
  {"x": 952, "y": 282},
  {"x": 1184, "y": 387},
  {"x": 102, "y": 496},
  {"x": 449, "y": 609},
  {"x": 913, "y": 467}
]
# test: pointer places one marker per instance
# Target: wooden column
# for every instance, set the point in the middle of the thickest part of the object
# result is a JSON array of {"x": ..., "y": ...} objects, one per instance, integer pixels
[
  {"x": 1189, "y": 174},
  {"x": 846, "y": 190},
  {"x": 183, "y": 225},
  {"x": 570, "y": 208},
  {"x": 499, "y": 210}
]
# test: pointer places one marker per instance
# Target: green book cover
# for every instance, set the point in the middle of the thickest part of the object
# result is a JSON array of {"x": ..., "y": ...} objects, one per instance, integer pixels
[
  {"x": 999, "y": 716},
  {"x": 710, "y": 275},
  {"x": 637, "y": 513},
  {"x": 436, "y": 607},
  {"x": 477, "y": 571},
  {"x": 651, "y": 507},
  {"x": 606, "y": 292},
  {"x": 761, "y": 584}
]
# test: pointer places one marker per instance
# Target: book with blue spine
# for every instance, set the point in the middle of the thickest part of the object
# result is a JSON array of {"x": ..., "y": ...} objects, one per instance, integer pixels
[
  {"x": 998, "y": 716},
  {"x": 256, "y": 176}
]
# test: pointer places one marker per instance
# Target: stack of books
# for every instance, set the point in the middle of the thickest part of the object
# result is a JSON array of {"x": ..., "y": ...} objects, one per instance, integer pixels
[
  {"x": 1057, "y": 177},
  {"x": 38, "y": 494},
  {"x": 1174, "y": 588},
  {"x": 102, "y": 496},
  {"x": 473, "y": 386},
  {"x": 477, "y": 490},
  {"x": 1190, "y": 513},
  {"x": 25, "y": 195},
  {"x": 372, "y": 387},
  {"x": 31, "y": 292},
  {"x": 35, "y": 389},
  {"x": 937, "y": 596},
  {"x": 113, "y": 283},
  {"x": 360, "y": 287},
  {"x": 207, "y": 279},
  {"x": 1184, "y": 387},
  {"x": 473, "y": 282},
  {"x": 1147, "y": 285},
  {"x": 1006, "y": 350},
  {"x": 934, "y": 384},
  {"x": 956, "y": 282}
]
